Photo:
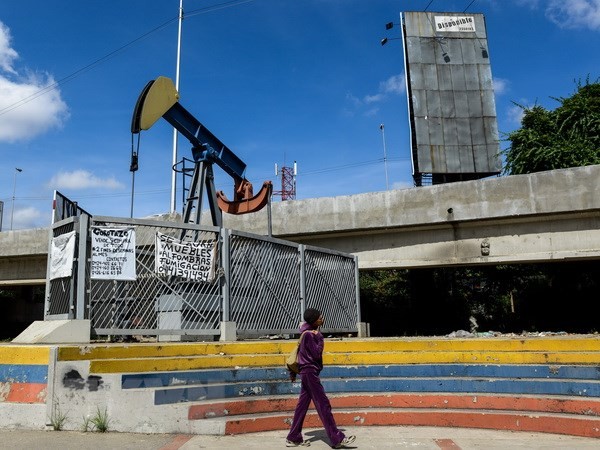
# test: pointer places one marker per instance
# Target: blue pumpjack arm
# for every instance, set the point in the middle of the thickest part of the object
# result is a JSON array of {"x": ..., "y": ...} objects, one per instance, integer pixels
[{"x": 205, "y": 145}]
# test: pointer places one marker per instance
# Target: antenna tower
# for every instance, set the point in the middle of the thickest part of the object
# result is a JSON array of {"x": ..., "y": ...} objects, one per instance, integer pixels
[{"x": 288, "y": 182}]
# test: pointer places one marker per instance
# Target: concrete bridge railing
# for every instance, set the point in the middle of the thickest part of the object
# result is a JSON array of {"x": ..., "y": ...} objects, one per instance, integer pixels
[{"x": 545, "y": 216}]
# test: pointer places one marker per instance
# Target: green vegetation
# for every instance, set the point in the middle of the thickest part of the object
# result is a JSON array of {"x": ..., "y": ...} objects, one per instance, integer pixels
[
  {"x": 100, "y": 421},
  {"x": 57, "y": 418},
  {"x": 568, "y": 136}
]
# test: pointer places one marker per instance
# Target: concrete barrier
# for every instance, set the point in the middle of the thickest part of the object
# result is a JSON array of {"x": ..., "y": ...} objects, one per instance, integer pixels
[
  {"x": 526, "y": 384},
  {"x": 23, "y": 386}
]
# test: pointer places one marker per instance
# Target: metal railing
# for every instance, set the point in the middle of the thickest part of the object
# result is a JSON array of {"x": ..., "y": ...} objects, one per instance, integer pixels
[{"x": 260, "y": 283}]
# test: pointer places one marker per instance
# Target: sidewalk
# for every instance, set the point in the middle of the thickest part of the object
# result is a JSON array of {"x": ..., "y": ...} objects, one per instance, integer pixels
[{"x": 421, "y": 438}]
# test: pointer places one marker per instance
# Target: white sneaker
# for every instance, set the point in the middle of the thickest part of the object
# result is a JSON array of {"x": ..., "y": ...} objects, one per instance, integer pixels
[
  {"x": 346, "y": 441},
  {"x": 289, "y": 443}
]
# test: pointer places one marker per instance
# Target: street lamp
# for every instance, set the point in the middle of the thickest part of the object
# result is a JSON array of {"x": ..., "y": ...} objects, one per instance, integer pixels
[
  {"x": 12, "y": 210},
  {"x": 389, "y": 26},
  {"x": 382, "y": 128}
]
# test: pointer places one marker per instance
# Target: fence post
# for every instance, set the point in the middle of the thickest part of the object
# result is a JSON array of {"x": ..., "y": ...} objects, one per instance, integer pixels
[
  {"x": 228, "y": 328},
  {"x": 364, "y": 329},
  {"x": 48, "y": 265},
  {"x": 225, "y": 260},
  {"x": 302, "y": 249},
  {"x": 82, "y": 263},
  {"x": 357, "y": 286}
]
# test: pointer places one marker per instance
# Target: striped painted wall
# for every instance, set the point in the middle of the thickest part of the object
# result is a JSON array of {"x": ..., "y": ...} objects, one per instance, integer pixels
[{"x": 23, "y": 374}]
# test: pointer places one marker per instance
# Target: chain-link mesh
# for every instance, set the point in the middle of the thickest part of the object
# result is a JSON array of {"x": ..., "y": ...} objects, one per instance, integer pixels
[
  {"x": 265, "y": 285},
  {"x": 153, "y": 303},
  {"x": 331, "y": 288}
]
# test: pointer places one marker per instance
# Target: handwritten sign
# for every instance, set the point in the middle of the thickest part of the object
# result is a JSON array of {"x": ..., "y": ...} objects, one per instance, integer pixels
[
  {"x": 113, "y": 253},
  {"x": 190, "y": 260}
]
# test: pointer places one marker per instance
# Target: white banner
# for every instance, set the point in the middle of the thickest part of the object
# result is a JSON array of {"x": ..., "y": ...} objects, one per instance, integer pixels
[
  {"x": 191, "y": 260},
  {"x": 455, "y": 23},
  {"x": 62, "y": 252},
  {"x": 113, "y": 253}
]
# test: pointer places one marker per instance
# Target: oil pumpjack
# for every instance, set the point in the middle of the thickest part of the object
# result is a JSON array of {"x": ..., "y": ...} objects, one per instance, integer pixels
[{"x": 159, "y": 98}]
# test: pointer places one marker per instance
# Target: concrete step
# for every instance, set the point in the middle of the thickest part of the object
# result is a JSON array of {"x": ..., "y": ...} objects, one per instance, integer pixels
[
  {"x": 574, "y": 425},
  {"x": 523, "y": 403},
  {"x": 258, "y": 388},
  {"x": 124, "y": 358}
]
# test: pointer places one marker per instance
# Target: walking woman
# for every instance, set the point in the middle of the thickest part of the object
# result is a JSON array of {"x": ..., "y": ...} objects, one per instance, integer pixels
[{"x": 310, "y": 360}]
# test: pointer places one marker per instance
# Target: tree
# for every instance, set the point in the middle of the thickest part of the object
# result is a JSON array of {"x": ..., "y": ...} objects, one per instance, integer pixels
[{"x": 568, "y": 136}]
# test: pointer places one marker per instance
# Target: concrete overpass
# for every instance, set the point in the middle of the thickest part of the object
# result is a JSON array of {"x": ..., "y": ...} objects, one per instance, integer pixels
[{"x": 546, "y": 216}]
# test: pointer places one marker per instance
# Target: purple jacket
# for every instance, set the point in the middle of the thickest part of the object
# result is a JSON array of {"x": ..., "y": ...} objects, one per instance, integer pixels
[{"x": 310, "y": 354}]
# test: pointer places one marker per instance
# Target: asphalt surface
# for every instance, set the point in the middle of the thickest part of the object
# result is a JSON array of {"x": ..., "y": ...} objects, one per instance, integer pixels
[{"x": 420, "y": 438}]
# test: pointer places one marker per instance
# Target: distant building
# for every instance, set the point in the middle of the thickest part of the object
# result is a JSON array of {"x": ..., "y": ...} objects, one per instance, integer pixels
[{"x": 452, "y": 112}]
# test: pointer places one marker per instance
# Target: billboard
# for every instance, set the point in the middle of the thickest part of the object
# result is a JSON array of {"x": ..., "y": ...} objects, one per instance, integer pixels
[{"x": 452, "y": 111}]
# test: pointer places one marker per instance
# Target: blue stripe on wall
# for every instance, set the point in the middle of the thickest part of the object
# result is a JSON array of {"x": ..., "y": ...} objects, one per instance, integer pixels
[
  {"x": 23, "y": 373},
  {"x": 166, "y": 379},
  {"x": 383, "y": 385}
]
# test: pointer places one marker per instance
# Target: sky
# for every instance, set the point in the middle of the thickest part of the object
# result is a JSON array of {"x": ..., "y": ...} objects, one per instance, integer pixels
[{"x": 277, "y": 81}]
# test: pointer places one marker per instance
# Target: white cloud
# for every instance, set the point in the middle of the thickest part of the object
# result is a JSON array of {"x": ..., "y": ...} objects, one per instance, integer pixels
[
  {"x": 353, "y": 100},
  {"x": 29, "y": 105},
  {"x": 26, "y": 218},
  {"x": 533, "y": 4},
  {"x": 515, "y": 114},
  {"x": 7, "y": 54},
  {"x": 402, "y": 185},
  {"x": 500, "y": 85},
  {"x": 394, "y": 85},
  {"x": 82, "y": 179},
  {"x": 575, "y": 13},
  {"x": 568, "y": 13},
  {"x": 373, "y": 98}
]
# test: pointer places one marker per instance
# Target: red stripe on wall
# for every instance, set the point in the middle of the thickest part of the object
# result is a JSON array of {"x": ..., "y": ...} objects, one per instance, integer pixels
[{"x": 27, "y": 393}]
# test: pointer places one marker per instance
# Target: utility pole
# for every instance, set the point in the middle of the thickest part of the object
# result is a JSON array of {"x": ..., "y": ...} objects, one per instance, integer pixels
[
  {"x": 175, "y": 134},
  {"x": 12, "y": 210},
  {"x": 382, "y": 128}
]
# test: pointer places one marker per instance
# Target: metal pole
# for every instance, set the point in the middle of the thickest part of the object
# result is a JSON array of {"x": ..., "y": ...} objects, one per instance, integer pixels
[
  {"x": 174, "y": 160},
  {"x": 132, "y": 193},
  {"x": 12, "y": 210},
  {"x": 382, "y": 128}
]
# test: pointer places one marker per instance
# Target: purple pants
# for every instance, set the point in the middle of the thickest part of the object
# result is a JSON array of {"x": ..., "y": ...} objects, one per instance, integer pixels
[{"x": 312, "y": 389}]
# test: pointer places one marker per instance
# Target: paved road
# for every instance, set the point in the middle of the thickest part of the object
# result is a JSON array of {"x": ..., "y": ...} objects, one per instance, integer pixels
[{"x": 419, "y": 438}]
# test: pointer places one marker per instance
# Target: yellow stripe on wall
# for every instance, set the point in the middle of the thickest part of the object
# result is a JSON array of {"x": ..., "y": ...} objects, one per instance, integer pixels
[
  {"x": 18, "y": 354},
  {"x": 228, "y": 361},
  {"x": 129, "y": 351}
]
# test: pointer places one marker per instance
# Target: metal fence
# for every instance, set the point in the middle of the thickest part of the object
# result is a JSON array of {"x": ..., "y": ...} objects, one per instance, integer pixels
[{"x": 260, "y": 283}]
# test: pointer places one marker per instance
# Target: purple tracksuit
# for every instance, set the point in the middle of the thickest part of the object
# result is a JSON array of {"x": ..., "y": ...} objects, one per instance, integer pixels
[{"x": 310, "y": 359}]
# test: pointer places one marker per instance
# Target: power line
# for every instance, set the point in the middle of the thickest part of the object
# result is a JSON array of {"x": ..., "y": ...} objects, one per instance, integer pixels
[
  {"x": 78, "y": 72},
  {"x": 469, "y": 5},
  {"x": 217, "y": 7},
  {"x": 113, "y": 53}
]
